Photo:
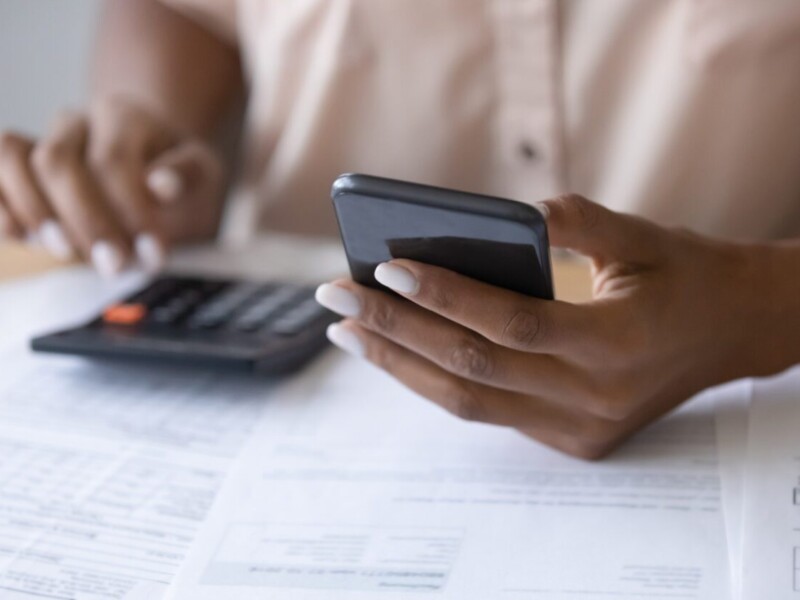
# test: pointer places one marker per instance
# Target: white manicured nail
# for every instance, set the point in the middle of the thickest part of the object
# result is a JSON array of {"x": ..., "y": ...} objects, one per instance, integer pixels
[
  {"x": 345, "y": 339},
  {"x": 54, "y": 241},
  {"x": 542, "y": 208},
  {"x": 150, "y": 252},
  {"x": 107, "y": 258},
  {"x": 165, "y": 183},
  {"x": 338, "y": 299},
  {"x": 397, "y": 278}
]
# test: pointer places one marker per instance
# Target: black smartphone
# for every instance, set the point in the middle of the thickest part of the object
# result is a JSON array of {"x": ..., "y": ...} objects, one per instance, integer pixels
[{"x": 500, "y": 242}]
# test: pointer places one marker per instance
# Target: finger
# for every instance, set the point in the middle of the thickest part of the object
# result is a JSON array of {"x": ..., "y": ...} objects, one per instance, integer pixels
[
  {"x": 9, "y": 228},
  {"x": 60, "y": 167},
  {"x": 189, "y": 177},
  {"x": 467, "y": 400},
  {"x": 183, "y": 171},
  {"x": 573, "y": 445},
  {"x": 119, "y": 166},
  {"x": 504, "y": 317},
  {"x": 24, "y": 199},
  {"x": 577, "y": 223},
  {"x": 453, "y": 347}
]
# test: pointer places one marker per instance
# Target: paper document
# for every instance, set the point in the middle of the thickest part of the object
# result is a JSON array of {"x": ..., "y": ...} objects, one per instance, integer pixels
[
  {"x": 732, "y": 406},
  {"x": 106, "y": 473},
  {"x": 353, "y": 485},
  {"x": 772, "y": 503}
]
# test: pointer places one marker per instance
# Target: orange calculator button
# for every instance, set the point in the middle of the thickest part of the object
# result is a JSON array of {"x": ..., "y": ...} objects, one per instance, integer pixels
[{"x": 125, "y": 314}]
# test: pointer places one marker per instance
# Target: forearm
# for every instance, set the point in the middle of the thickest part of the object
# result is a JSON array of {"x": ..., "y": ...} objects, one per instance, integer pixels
[{"x": 163, "y": 61}]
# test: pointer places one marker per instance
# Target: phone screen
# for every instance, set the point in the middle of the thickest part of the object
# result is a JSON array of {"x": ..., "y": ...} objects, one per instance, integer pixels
[{"x": 501, "y": 252}]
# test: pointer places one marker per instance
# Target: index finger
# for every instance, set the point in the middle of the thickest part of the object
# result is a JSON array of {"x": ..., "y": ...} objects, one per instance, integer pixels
[
  {"x": 504, "y": 317},
  {"x": 121, "y": 173}
]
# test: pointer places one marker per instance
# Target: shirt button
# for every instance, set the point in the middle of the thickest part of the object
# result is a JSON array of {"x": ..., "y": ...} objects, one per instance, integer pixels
[{"x": 528, "y": 151}]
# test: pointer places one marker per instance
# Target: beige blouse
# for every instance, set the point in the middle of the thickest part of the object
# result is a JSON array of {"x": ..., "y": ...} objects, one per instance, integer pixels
[{"x": 684, "y": 111}]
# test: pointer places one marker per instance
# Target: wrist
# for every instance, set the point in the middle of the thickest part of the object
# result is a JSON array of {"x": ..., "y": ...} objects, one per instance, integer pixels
[{"x": 772, "y": 278}]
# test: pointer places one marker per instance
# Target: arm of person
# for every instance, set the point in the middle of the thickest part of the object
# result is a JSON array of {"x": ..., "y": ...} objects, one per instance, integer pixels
[
  {"x": 673, "y": 313},
  {"x": 165, "y": 62},
  {"x": 137, "y": 169}
]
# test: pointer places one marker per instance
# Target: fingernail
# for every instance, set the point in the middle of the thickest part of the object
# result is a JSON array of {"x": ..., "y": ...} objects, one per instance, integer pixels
[
  {"x": 346, "y": 340},
  {"x": 150, "y": 252},
  {"x": 397, "y": 278},
  {"x": 165, "y": 183},
  {"x": 54, "y": 241},
  {"x": 338, "y": 299},
  {"x": 542, "y": 208},
  {"x": 107, "y": 258}
]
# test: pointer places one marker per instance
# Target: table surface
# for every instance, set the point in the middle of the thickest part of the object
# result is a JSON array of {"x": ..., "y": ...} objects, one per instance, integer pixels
[
  {"x": 572, "y": 277},
  {"x": 18, "y": 261}
]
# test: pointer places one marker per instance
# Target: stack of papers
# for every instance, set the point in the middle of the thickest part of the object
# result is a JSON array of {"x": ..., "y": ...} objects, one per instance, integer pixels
[
  {"x": 345, "y": 489},
  {"x": 771, "y": 562},
  {"x": 137, "y": 483}
]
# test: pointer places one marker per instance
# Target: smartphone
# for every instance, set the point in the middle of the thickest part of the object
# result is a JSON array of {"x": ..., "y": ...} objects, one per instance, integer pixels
[{"x": 500, "y": 242}]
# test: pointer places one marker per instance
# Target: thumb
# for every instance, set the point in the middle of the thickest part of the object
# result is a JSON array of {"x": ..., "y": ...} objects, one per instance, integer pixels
[
  {"x": 189, "y": 169},
  {"x": 588, "y": 228}
]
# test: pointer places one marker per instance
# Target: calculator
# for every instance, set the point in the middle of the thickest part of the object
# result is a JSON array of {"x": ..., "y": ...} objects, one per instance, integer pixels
[{"x": 264, "y": 327}]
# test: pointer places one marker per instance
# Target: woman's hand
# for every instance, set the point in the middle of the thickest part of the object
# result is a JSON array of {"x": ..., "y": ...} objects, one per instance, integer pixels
[
  {"x": 109, "y": 185},
  {"x": 673, "y": 313}
]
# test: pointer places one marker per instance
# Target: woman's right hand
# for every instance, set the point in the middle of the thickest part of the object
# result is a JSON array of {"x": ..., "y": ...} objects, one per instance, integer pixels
[{"x": 114, "y": 185}]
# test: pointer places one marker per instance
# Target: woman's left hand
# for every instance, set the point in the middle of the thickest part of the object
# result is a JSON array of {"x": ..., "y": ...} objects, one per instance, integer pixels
[{"x": 673, "y": 313}]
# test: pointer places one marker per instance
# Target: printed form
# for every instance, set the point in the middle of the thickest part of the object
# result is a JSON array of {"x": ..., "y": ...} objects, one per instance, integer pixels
[
  {"x": 107, "y": 472},
  {"x": 353, "y": 485},
  {"x": 732, "y": 407},
  {"x": 772, "y": 502}
]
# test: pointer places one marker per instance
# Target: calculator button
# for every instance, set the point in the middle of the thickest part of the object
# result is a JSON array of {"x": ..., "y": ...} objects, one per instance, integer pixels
[
  {"x": 156, "y": 292},
  {"x": 299, "y": 318},
  {"x": 125, "y": 314},
  {"x": 218, "y": 310},
  {"x": 233, "y": 298},
  {"x": 163, "y": 315},
  {"x": 173, "y": 309},
  {"x": 208, "y": 321},
  {"x": 257, "y": 314}
]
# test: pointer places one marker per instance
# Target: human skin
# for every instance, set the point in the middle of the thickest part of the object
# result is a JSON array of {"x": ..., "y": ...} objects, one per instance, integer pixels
[
  {"x": 137, "y": 169},
  {"x": 673, "y": 313}
]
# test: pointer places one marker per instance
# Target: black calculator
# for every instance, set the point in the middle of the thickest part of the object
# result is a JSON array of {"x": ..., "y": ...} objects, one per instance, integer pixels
[{"x": 264, "y": 327}]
